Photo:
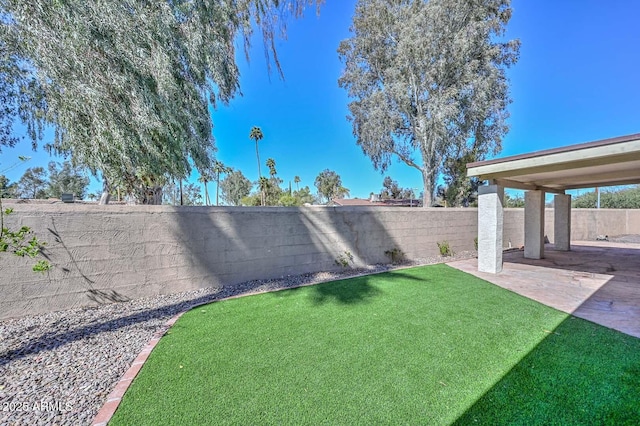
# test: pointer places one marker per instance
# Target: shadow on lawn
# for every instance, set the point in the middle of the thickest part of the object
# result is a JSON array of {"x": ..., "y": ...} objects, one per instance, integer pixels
[
  {"x": 573, "y": 376},
  {"x": 355, "y": 290},
  {"x": 564, "y": 380}
]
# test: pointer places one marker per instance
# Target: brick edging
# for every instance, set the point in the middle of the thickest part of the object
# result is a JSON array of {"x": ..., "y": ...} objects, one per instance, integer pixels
[{"x": 113, "y": 399}]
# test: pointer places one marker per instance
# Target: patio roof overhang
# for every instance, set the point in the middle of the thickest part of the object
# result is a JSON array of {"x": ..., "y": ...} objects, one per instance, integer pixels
[{"x": 608, "y": 162}]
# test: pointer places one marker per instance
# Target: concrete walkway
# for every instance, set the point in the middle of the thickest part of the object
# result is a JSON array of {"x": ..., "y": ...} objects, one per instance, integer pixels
[{"x": 597, "y": 281}]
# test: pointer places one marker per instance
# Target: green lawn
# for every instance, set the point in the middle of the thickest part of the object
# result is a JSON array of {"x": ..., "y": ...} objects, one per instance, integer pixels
[{"x": 427, "y": 345}]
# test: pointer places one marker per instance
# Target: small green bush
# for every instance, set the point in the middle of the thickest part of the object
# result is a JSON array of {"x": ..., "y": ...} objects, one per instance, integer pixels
[
  {"x": 445, "y": 249},
  {"x": 344, "y": 259},
  {"x": 396, "y": 255}
]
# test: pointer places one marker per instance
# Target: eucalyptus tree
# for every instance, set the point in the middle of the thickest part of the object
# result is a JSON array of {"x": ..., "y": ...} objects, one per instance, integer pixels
[
  {"x": 21, "y": 96},
  {"x": 7, "y": 189},
  {"x": 458, "y": 189},
  {"x": 391, "y": 190},
  {"x": 33, "y": 183},
  {"x": 329, "y": 185},
  {"x": 128, "y": 84},
  {"x": 66, "y": 178},
  {"x": 234, "y": 187},
  {"x": 427, "y": 80}
]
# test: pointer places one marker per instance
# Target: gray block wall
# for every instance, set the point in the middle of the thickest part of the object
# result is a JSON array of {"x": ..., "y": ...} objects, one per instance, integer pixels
[
  {"x": 103, "y": 254},
  {"x": 109, "y": 253}
]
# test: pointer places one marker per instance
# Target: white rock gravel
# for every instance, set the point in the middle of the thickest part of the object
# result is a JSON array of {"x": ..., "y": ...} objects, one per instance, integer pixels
[{"x": 58, "y": 368}]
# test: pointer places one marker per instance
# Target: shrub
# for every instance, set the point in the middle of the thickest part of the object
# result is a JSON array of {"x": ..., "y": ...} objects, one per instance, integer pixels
[
  {"x": 445, "y": 248},
  {"x": 344, "y": 259},
  {"x": 396, "y": 255}
]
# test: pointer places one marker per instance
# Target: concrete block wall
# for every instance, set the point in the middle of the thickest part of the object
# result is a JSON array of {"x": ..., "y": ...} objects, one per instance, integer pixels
[
  {"x": 586, "y": 224},
  {"x": 103, "y": 254}
]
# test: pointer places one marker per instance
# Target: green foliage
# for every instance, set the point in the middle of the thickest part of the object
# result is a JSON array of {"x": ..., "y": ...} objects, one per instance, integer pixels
[
  {"x": 21, "y": 96},
  {"x": 234, "y": 187},
  {"x": 459, "y": 190},
  {"x": 252, "y": 200},
  {"x": 344, "y": 259},
  {"x": 218, "y": 168},
  {"x": 304, "y": 196},
  {"x": 33, "y": 183},
  {"x": 329, "y": 185},
  {"x": 287, "y": 200},
  {"x": 296, "y": 198},
  {"x": 392, "y": 191},
  {"x": 128, "y": 85},
  {"x": 21, "y": 242},
  {"x": 7, "y": 189},
  {"x": 626, "y": 198},
  {"x": 256, "y": 135},
  {"x": 66, "y": 179},
  {"x": 271, "y": 164},
  {"x": 516, "y": 201},
  {"x": 445, "y": 249},
  {"x": 396, "y": 255},
  {"x": 428, "y": 81},
  {"x": 191, "y": 195},
  {"x": 271, "y": 193}
]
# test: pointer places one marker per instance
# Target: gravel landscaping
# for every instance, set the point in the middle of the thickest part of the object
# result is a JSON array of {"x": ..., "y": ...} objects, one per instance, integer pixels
[{"x": 58, "y": 368}]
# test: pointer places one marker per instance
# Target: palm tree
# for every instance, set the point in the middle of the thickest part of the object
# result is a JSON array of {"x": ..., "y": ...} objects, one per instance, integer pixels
[
  {"x": 256, "y": 135},
  {"x": 271, "y": 164},
  {"x": 205, "y": 177},
  {"x": 219, "y": 168},
  {"x": 296, "y": 180},
  {"x": 263, "y": 184}
]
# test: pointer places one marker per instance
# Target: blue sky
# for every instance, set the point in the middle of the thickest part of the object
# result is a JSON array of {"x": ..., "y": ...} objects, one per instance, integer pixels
[{"x": 576, "y": 81}]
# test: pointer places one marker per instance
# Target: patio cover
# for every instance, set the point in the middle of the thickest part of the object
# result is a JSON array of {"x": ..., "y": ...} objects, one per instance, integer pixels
[{"x": 608, "y": 162}]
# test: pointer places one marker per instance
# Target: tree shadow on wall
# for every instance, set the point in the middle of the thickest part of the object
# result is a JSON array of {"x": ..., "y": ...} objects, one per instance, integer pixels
[
  {"x": 231, "y": 245},
  {"x": 94, "y": 294},
  {"x": 202, "y": 236}
]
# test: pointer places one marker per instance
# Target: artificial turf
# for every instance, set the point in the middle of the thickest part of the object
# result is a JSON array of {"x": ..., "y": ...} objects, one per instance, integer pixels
[{"x": 427, "y": 345}]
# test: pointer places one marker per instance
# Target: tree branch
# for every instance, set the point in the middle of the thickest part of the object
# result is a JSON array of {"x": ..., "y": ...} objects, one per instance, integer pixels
[{"x": 408, "y": 161}]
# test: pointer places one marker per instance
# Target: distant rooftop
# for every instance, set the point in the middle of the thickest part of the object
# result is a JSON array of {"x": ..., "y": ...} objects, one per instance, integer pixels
[{"x": 377, "y": 203}]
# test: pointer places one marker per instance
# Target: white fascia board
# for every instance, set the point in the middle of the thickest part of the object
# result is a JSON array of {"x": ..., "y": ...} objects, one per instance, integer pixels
[{"x": 592, "y": 153}]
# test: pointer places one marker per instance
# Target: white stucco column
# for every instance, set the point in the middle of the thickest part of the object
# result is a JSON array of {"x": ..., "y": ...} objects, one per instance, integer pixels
[
  {"x": 490, "y": 226},
  {"x": 534, "y": 224},
  {"x": 562, "y": 221}
]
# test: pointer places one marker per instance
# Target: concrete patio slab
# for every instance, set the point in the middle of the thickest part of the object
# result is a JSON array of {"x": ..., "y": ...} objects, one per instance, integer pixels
[{"x": 597, "y": 280}]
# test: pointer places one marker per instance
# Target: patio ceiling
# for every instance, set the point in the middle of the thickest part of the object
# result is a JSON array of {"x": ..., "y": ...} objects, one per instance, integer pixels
[{"x": 606, "y": 162}]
